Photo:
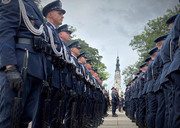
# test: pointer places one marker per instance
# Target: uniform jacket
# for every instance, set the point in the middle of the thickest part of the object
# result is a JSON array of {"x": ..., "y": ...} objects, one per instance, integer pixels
[
  {"x": 150, "y": 78},
  {"x": 157, "y": 70},
  {"x": 166, "y": 59},
  {"x": 115, "y": 97},
  {"x": 12, "y": 53},
  {"x": 175, "y": 32}
]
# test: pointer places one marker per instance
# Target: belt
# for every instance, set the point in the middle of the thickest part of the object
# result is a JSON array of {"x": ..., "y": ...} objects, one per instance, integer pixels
[{"x": 25, "y": 41}]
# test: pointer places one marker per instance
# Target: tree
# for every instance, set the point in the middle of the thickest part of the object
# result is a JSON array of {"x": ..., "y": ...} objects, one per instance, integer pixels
[
  {"x": 143, "y": 42},
  {"x": 105, "y": 85}
]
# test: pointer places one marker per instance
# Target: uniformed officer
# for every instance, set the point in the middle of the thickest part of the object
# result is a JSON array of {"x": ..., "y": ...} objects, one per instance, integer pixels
[
  {"x": 136, "y": 96},
  {"x": 128, "y": 101},
  {"x": 166, "y": 57},
  {"x": 151, "y": 97},
  {"x": 70, "y": 116},
  {"x": 114, "y": 101},
  {"x": 132, "y": 100},
  {"x": 89, "y": 94},
  {"x": 64, "y": 33},
  {"x": 53, "y": 13},
  {"x": 82, "y": 60},
  {"x": 148, "y": 60},
  {"x": 142, "y": 104},
  {"x": 174, "y": 72},
  {"x": 13, "y": 46},
  {"x": 158, "y": 90}
]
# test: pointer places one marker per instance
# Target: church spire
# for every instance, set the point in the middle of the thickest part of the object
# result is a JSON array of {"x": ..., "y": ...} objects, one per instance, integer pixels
[{"x": 117, "y": 64}]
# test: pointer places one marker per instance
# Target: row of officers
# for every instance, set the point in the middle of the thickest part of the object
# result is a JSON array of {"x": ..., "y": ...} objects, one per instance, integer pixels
[
  {"x": 152, "y": 97},
  {"x": 42, "y": 79}
]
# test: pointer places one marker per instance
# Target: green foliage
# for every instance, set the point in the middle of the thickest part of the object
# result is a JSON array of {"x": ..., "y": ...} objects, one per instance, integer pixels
[
  {"x": 145, "y": 41},
  {"x": 93, "y": 54},
  {"x": 105, "y": 85},
  {"x": 129, "y": 73}
]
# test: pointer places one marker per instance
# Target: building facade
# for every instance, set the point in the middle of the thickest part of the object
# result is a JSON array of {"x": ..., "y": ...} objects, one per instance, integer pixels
[{"x": 117, "y": 77}]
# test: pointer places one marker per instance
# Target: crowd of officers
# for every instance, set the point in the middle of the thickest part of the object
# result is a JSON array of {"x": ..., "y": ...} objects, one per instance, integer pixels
[
  {"x": 42, "y": 79},
  {"x": 152, "y": 97}
]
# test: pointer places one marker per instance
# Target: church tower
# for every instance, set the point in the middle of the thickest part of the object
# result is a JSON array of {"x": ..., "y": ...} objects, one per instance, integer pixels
[{"x": 117, "y": 77}]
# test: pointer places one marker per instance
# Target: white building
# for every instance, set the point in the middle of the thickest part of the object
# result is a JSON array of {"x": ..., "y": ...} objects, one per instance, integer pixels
[{"x": 117, "y": 77}]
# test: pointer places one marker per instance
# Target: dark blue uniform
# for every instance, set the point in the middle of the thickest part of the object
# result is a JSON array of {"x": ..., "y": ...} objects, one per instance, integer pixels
[
  {"x": 12, "y": 53},
  {"x": 166, "y": 85},
  {"x": 132, "y": 102},
  {"x": 174, "y": 72},
  {"x": 151, "y": 98},
  {"x": 128, "y": 103},
  {"x": 137, "y": 84},
  {"x": 142, "y": 104},
  {"x": 157, "y": 70},
  {"x": 114, "y": 101}
]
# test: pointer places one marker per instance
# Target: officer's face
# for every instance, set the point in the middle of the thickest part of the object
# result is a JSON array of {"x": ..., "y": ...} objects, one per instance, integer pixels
[
  {"x": 57, "y": 17},
  {"x": 88, "y": 66},
  {"x": 171, "y": 25},
  {"x": 95, "y": 74},
  {"x": 154, "y": 55},
  {"x": 65, "y": 36},
  {"x": 92, "y": 72},
  {"x": 76, "y": 51},
  {"x": 159, "y": 44},
  {"x": 144, "y": 68},
  {"x": 82, "y": 60}
]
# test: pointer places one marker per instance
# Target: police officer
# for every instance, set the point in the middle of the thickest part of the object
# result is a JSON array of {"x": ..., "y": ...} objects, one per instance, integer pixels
[
  {"x": 80, "y": 110},
  {"x": 144, "y": 94},
  {"x": 64, "y": 33},
  {"x": 114, "y": 101},
  {"x": 128, "y": 101},
  {"x": 13, "y": 46},
  {"x": 142, "y": 104},
  {"x": 148, "y": 60},
  {"x": 53, "y": 12},
  {"x": 89, "y": 94},
  {"x": 158, "y": 90},
  {"x": 174, "y": 73},
  {"x": 151, "y": 97},
  {"x": 70, "y": 116},
  {"x": 136, "y": 96},
  {"x": 166, "y": 57},
  {"x": 132, "y": 100}
]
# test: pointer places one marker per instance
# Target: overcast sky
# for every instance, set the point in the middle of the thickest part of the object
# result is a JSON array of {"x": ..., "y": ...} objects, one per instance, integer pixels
[{"x": 109, "y": 26}]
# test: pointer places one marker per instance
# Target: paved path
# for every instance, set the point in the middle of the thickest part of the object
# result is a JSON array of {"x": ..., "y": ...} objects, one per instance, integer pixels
[{"x": 117, "y": 122}]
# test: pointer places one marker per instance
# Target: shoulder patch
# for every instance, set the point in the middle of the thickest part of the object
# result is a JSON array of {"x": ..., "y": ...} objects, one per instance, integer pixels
[{"x": 5, "y": 1}]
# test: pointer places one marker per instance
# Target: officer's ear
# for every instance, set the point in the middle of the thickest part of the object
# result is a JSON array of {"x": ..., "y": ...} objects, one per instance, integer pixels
[{"x": 49, "y": 15}]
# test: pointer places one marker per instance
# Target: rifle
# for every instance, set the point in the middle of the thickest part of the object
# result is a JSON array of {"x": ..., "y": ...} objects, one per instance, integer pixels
[
  {"x": 74, "y": 122},
  {"x": 17, "y": 106},
  {"x": 59, "y": 111},
  {"x": 47, "y": 103}
]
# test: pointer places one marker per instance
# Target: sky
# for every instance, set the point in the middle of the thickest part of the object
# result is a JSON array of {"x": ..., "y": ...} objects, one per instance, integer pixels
[{"x": 110, "y": 25}]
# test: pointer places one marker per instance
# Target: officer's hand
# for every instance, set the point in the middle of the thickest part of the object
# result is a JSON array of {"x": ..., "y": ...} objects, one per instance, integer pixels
[{"x": 14, "y": 78}]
